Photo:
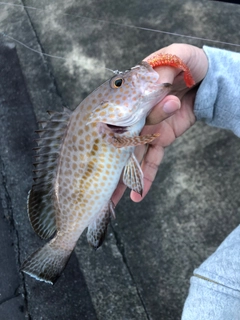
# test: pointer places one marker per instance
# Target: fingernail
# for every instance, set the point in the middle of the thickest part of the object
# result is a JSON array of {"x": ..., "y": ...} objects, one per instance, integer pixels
[{"x": 171, "y": 106}]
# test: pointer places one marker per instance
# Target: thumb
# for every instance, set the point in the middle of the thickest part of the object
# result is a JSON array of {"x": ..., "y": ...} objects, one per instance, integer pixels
[{"x": 163, "y": 110}]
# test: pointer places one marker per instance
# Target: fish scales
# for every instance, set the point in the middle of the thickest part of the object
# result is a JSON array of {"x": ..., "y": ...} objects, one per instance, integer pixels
[
  {"x": 88, "y": 171},
  {"x": 89, "y": 168},
  {"x": 80, "y": 159}
]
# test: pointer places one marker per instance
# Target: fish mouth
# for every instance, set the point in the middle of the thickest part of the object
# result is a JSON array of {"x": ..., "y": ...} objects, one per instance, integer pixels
[{"x": 117, "y": 129}]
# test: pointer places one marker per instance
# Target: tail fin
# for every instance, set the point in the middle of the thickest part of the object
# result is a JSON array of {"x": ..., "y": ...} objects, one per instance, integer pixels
[{"x": 47, "y": 263}]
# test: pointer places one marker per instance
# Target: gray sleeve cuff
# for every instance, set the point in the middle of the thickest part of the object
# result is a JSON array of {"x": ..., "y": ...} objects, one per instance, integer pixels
[
  {"x": 218, "y": 97},
  {"x": 210, "y": 301},
  {"x": 215, "y": 287}
]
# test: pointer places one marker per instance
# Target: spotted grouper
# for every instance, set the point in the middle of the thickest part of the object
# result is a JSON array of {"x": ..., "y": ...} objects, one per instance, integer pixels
[{"x": 80, "y": 158}]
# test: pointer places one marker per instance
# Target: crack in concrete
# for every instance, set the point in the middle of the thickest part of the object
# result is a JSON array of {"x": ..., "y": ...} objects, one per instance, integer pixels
[
  {"x": 25, "y": 293},
  {"x": 9, "y": 298},
  {"x": 121, "y": 249},
  {"x": 5, "y": 197},
  {"x": 43, "y": 57},
  {"x": 16, "y": 294},
  {"x": 9, "y": 215}
]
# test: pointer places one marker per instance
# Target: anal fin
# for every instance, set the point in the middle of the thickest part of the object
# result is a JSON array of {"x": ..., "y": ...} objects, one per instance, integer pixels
[
  {"x": 133, "y": 175},
  {"x": 97, "y": 230}
]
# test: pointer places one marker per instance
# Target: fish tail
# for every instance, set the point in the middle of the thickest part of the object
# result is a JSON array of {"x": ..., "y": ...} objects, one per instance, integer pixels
[{"x": 47, "y": 263}]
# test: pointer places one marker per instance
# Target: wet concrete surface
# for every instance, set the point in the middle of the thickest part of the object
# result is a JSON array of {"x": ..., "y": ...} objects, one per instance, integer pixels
[{"x": 142, "y": 271}]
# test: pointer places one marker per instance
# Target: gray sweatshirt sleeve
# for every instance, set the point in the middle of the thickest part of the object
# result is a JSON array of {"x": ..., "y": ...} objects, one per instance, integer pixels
[
  {"x": 215, "y": 286},
  {"x": 218, "y": 98}
]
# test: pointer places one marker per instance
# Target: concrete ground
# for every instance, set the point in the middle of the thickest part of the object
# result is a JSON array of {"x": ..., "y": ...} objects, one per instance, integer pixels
[{"x": 143, "y": 269}]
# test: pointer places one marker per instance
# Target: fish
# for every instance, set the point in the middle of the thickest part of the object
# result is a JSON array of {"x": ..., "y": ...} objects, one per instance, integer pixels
[{"x": 80, "y": 158}]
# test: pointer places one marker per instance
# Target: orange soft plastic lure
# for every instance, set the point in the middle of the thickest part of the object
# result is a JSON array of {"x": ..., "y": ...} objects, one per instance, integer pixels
[{"x": 170, "y": 60}]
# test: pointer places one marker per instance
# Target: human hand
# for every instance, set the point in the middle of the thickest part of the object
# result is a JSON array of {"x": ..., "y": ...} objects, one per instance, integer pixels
[{"x": 171, "y": 117}]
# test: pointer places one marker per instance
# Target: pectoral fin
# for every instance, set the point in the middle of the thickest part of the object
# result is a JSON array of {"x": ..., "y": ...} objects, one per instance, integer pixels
[
  {"x": 97, "y": 230},
  {"x": 133, "y": 175}
]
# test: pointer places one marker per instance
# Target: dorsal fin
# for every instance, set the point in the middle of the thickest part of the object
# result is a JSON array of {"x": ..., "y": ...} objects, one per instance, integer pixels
[{"x": 41, "y": 209}]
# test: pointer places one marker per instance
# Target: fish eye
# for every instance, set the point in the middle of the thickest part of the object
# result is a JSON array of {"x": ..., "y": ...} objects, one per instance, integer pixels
[{"x": 116, "y": 82}]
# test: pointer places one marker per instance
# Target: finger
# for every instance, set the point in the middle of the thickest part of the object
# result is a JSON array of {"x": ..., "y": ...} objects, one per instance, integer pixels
[
  {"x": 167, "y": 74},
  {"x": 195, "y": 58},
  {"x": 149, "y": 166},
  {"x": 163, "y": 110}
]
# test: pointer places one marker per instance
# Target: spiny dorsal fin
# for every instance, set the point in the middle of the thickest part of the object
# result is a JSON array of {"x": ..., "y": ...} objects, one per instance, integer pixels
[
  {"x": 41, "y": 209},
  {"x": 98, "y": 228}
]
